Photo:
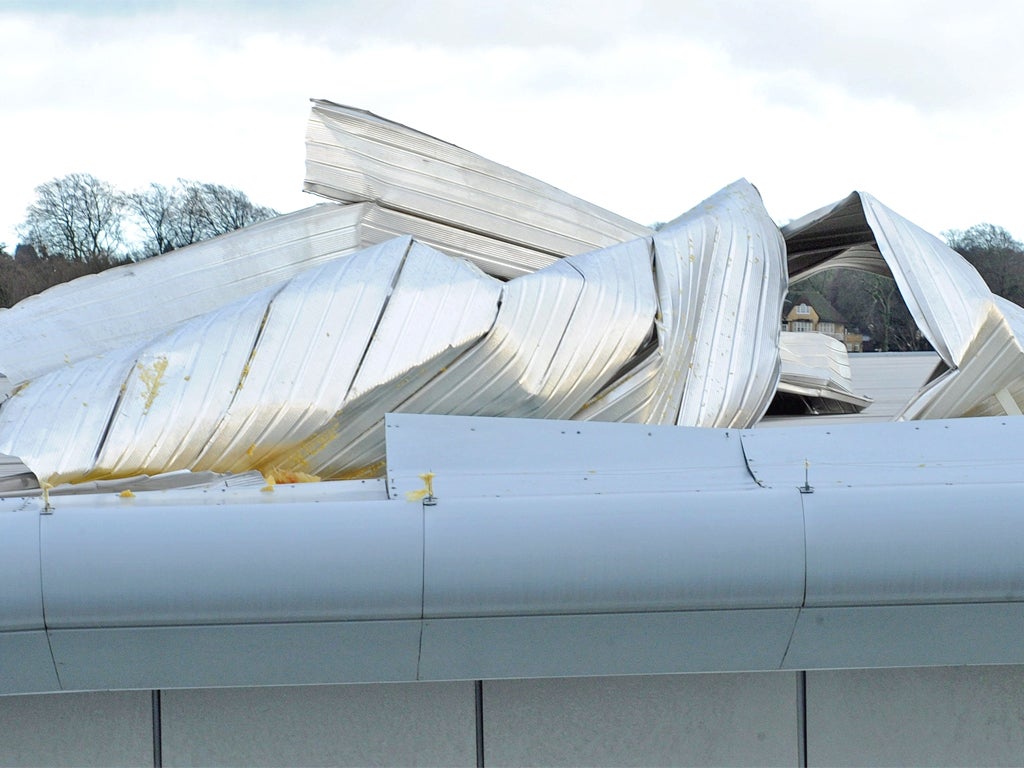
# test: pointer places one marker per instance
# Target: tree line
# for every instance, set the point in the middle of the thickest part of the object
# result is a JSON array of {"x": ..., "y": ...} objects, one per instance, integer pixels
[{"x": 79, "y": 224}]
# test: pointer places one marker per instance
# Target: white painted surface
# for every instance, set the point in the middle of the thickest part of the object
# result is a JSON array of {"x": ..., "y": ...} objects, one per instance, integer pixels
[
  {"x": 723, "y": 719},
  {"x": 938, "y": 716},
  {"x": 77, "y": 729},
  {"x": 358, "y": 725}
]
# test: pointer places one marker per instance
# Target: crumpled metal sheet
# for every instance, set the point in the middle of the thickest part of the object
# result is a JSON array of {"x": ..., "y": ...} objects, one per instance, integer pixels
[
  {"x": 815, "y": 365},
  {"x": 134, "y": 302},
  {"x": 977, "y": 334},
  {"x": 228, "y": 390},
  {"x": 720, "y": 271},
  {"x": 355, "y": 156},
  {"x": 558, "y": 336}
]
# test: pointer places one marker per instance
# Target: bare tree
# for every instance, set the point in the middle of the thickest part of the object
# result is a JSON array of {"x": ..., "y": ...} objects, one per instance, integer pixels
[
  {"x": 78, "y": 217},
  {"x": 995, "y": 254},
  {"x": 156, "y": 209},
  {"x": 191, "y": 212}
]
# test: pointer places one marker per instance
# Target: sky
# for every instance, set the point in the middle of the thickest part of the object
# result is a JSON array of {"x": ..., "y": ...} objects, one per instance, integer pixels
[{"x": 644, "y": 108}]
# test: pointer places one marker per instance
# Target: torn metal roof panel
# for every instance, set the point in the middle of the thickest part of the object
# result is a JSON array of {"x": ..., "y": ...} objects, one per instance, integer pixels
[
  {"x": 353, "y": 156},
  {"x": 816, "y": 365},
  {"x": 134, "y": 302},
  {"x": 720, "y": 271}
]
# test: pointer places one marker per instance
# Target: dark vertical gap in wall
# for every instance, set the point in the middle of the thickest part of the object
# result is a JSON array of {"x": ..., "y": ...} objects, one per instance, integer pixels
[
  {"x": 478, "y": 690},
  {"x": 801, "y": 718},
  {"x": 158, "y": 757}
]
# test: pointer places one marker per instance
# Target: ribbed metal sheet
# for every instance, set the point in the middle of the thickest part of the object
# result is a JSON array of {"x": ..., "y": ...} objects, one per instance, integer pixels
[
  {"x": 131, "y": 304},
  {"x": 721, "y": 277},
  {"x": 262, "y": 382},
  {"x": 817, "y": 366},
  {"x": 976, "y": 334},
  {"x": 353, "y": 156}
]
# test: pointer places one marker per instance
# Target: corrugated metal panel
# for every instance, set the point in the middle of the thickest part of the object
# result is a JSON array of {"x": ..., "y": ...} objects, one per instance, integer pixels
[
  {"x": 559, "y": 335},
  {"x": 133, "y": 303},
  {"x": 259, "y": 383},
  {"x": 721, "y": 278},
  {"x": 816, "y": 365},
  {"x": 353, "y": 155},
  {"x": 946, "y": 296},
  {"x": 494, "y": 256}
]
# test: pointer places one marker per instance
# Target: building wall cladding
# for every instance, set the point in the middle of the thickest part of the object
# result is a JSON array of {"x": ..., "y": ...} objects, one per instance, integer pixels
[{"x": 925, "y": 716}]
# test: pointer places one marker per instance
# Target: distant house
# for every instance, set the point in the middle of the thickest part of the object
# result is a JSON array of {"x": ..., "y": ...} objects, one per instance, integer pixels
[{"x": 809, "y": 311}]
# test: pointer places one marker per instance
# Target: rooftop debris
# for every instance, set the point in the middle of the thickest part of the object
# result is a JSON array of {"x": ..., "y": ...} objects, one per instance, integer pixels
[{"x": 436, "y": 281}]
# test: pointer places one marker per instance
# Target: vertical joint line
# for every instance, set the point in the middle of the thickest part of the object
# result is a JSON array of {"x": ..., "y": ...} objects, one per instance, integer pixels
[
  {"x": 801, "y": 718},
  {"x": 478, "y": 691},
  {"x": 158, "y": 758}
]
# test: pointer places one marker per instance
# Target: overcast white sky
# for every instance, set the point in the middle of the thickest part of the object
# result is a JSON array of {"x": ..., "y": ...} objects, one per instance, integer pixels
[{"x": 644, "y": 108}]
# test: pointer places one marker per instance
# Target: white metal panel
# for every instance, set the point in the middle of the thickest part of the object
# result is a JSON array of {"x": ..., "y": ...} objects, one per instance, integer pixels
[
  {"x": 437, "y": 309},
  {"x": 720, "y": 272},
  {"x": 21, "y": 599},
  {"x": 175, "y": 393},
  {"x": 132, "y": 303},
  {"x": 944, "y": 293},
  {"x": 26, "y": 664},
  {"x": 488, "y": 456},
  {"x": 816, "y": 365},
  {"x": 666, "y": 642},
  {"x": 292, "y": 653},
  {"x": 613, "y": 553},
  {"x": 914, "y": 544},
  {"x": 353, "y": 156},
  {"x": 56, "y": 423},
  {"x": 907, "y": 636},
  {"x": 308, "y": 352},
  {"x": 969, "y": 452},
  {"x": 127, "y": 563},
  {"x": 559, "y": 334}
]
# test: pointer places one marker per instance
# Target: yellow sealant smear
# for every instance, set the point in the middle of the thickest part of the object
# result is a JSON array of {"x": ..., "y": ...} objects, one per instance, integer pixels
[
  {"x": 426, "y": 490},
  {"x": 152, "y": 378},
  {"x": 275, "y": 475},
  {"x": 362, "y": 473},
  {"x": 126, "y": 494}
]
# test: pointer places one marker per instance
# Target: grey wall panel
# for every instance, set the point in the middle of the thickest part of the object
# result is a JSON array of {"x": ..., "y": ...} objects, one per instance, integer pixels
[
  {"x": 21, "y": 599},
  {"x": 160, "y": 565},
  {"x": 359, "y": 725},
  {"x": 26, "y": 665},
  {"x": 907, "y": 636},
  {"x": 249, "y": 654},
  {"x": 942, "y": 716},
  {"x": 613, "y": 553},
  {"x": 730, "y": 719},
  {"x": 914, "y": 544},
  {"x": 77, "y": 729},
  {"x": 603, "y": 644}
]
